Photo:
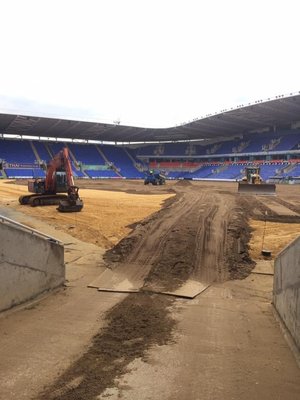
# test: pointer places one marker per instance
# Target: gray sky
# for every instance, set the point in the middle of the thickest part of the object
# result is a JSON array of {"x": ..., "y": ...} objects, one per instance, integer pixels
[{"x": 148, "y": 63}]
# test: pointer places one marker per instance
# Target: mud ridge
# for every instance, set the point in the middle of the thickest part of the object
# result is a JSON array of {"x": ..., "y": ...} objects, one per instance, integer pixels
[{"x": 237, "y": 256}]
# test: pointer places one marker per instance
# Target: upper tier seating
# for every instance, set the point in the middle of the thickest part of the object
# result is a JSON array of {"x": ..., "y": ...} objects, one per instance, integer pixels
[
  {"x": 42, "y": 151},
  {"x": 256, "y": 145},
  {"x": 87, "y": 154},
  {"x": 226, "y": 147},
  {"x": 174, "y": 149},
  {"x": 55, "y": 148},
  {"x": 288, "y": 142},
  {"x": 121, "y": 160},
  {"x": 13, "y": 151}
]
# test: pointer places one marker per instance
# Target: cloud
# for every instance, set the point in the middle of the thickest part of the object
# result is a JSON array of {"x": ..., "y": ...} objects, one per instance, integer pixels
[{"x": 154, "y": 63}]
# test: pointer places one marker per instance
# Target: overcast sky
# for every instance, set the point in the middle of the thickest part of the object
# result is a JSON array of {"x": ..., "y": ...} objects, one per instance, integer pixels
[{"x": 148, "y": 63}]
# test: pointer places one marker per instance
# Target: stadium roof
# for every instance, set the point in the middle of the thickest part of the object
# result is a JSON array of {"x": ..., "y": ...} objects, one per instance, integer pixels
[{"x": 280, "y": 111}]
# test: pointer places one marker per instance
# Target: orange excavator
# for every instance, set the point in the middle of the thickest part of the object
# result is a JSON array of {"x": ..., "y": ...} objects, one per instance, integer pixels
[{"x": 50, "y": 191}]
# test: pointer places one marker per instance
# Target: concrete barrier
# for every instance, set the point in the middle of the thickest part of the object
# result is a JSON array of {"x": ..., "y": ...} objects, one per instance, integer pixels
[
  {"x": 30, "y": 263},
  {"x": 286, "y": 291}
]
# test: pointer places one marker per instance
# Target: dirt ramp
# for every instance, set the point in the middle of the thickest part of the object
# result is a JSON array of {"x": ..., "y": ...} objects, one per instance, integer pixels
[{"x": 200, "y": 236}]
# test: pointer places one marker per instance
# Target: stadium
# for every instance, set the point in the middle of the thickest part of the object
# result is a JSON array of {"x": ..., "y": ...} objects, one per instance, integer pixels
[
  {"x": 214, "y": 147},
  {"x": 184, "y": 290}
]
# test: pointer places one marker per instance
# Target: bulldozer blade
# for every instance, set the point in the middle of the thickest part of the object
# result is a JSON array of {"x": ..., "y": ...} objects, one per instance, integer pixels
[{"x": 262, "y": 189}]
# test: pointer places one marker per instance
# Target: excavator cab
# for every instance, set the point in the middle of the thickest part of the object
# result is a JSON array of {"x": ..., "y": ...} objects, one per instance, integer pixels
[
  {"x": 252, "y": 183},
  {"x": 61, "y": 183}
]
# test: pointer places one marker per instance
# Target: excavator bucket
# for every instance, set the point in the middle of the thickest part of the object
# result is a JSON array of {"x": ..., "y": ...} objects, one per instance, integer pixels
[
  {"x": 70, "y": 206},
  {"x": 262, "y": 189}
]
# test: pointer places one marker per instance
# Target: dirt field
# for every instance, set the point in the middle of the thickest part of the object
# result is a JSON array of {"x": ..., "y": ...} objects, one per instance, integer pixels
[{"x": 204, "y": 231}]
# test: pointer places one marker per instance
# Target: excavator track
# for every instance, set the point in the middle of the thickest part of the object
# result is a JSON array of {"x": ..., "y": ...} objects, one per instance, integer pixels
[{"x": 41, "y": 199}]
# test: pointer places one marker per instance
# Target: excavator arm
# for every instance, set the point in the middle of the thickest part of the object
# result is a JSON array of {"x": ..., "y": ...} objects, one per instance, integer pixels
[{"x": 59, "y": 163}]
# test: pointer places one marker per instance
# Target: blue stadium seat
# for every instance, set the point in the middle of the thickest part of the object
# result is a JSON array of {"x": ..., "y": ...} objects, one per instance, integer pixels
[
  {"x": 98, "y": 174},
  {"x": 121, "y": 160},
  {"x": 13, "y": 151}
]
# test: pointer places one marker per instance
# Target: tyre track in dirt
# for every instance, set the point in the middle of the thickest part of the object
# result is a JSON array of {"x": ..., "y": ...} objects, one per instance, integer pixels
[{"x": 288, "y": 205}]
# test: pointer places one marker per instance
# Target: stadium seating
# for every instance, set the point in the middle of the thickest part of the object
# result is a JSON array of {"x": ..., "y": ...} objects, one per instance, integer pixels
[
  {"x": 296, "y": 171},
  {"x": 42, "y": 151},
  {"x": 19, "y": 172},
  {"x": 226, "y": 147},
  {"x": 267, "y": 171},
  {"x": 55, "y": 147},
  {"x": 293, "y": 172},
  {"x": 86, "y": 154},
  {"x": 77, "y": 173},
  {"x": 231, "y": 172},
  {"x": 202, "y": 172},
  {"x": 178, "y": 160},
  {"x": 288, "y": 142},
  {"x": 121, "y": 161},
  {"x": 256, "y": 145},
  {"x": 13, "y": 151},
  {"x": 38, "y": 173},
  {"x": 98, "y": 174}
]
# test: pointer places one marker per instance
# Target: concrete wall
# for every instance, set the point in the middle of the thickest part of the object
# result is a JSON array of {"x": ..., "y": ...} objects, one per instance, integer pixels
[
  {"x": 286, "y": 294},
  {"x": 29, "y": 265}
]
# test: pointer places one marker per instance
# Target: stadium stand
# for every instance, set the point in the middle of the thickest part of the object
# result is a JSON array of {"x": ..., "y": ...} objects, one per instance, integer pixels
[
  {"x": 98, "y": 174},
  {"x": 123, "y": 163},
  {"x": 13, "y": 151},
  {"x": 203, "y": 172},
  {"x": 42, "y": 151},
  {"x": 230, "y": 172},
  {"x": 19, "y": 172},
  {"x": 288, "y": 142},
  {"x": 86, "y": 154},
  {"x": 276, "y": 152},
  {"x": 38, "y": 173}
]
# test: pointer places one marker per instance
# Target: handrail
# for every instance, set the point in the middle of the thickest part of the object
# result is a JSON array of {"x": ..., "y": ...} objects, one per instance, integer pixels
[{"x": 27, "y": 228}]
